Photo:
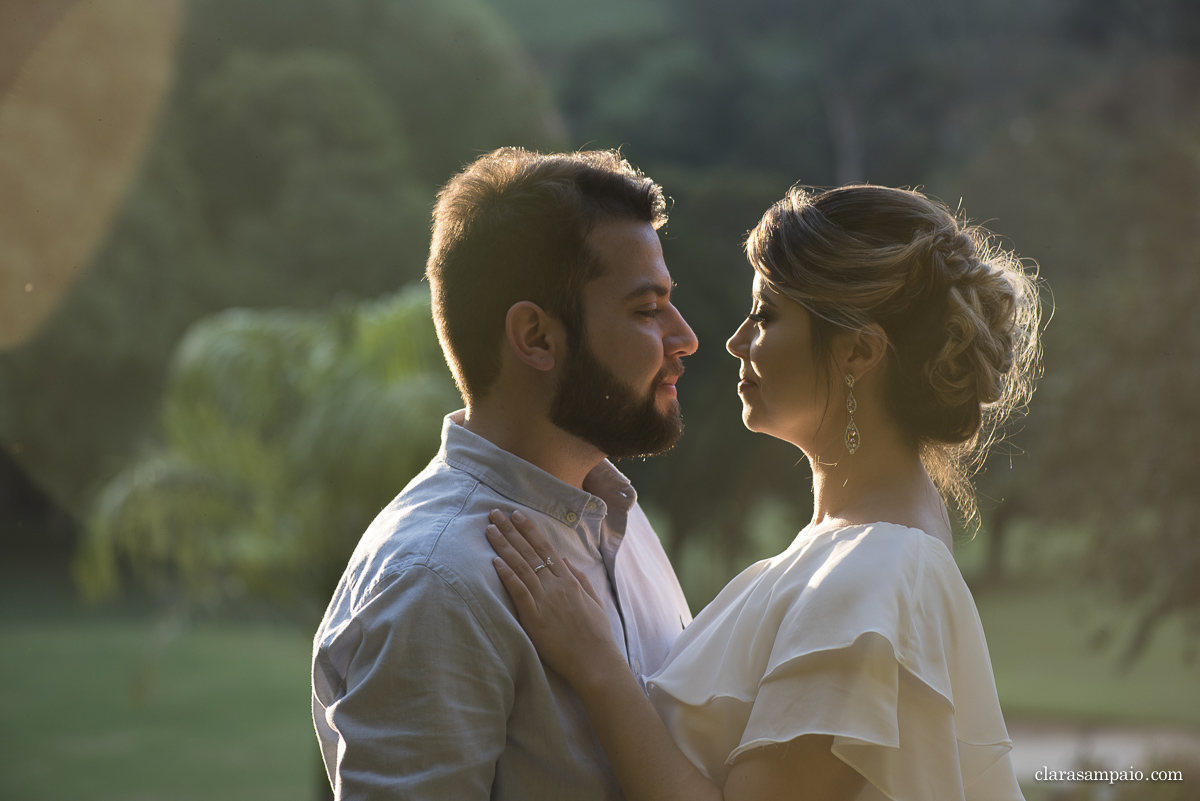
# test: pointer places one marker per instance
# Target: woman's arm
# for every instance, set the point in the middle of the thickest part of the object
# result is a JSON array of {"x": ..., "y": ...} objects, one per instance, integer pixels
[{"x": 561, "y": 612}]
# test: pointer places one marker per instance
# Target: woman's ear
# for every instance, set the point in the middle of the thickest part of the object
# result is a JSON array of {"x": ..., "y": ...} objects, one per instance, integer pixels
[
  {"x": 534, "y": 337},
  {"x": 862, "y": 350}
]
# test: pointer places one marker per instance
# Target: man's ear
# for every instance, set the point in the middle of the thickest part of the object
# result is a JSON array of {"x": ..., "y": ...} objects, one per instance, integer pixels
[
  {"x": 862, "y": 350},
  {"x": 534, "y": 337}
]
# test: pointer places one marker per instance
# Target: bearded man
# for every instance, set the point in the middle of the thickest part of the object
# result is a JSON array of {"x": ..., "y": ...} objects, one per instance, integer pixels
[{"x": 553, "y": 308}]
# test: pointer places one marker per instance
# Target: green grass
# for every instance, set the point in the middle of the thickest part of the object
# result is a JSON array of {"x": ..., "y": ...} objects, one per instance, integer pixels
[
  {"x": 224, "y": 714},
  {"x": 1039, "y": 639},
  {"x": 1040, "y": 633}
]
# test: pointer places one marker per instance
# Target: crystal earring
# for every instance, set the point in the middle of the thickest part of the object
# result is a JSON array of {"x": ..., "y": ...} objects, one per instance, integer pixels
[{"x": 852, "y": 438}]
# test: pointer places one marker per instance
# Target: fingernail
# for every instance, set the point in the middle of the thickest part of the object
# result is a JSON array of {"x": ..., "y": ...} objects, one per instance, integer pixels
[
  {"x": 495, "y": 515},
  {"x": 490, "y": 530},
  {"x": 497, "y": 561},
  {"x": 517, "y": 515}
]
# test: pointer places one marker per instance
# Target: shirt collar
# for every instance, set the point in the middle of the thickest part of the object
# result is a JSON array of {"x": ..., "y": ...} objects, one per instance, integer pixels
[{"x": 607, "y": 490}]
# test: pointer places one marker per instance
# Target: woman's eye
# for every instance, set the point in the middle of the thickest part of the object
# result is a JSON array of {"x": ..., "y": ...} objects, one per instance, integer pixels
[{"x": 756, "y": 317}]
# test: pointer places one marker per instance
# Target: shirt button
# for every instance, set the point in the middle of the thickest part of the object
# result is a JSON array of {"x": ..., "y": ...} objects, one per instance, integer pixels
[
  {"x": 637, "y": 665},
  {"x": 572, "y": 517},
  {"x": 591, "y": 506}
]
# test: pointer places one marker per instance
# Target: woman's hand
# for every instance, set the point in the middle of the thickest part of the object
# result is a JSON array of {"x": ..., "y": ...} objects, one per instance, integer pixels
[
  {"x": 563, "y": 616},
  {"x": 556, "y": 604}
]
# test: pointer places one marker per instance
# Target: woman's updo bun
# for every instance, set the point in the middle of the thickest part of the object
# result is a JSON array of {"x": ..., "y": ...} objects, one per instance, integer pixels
[{"x": 961, "y": 314}]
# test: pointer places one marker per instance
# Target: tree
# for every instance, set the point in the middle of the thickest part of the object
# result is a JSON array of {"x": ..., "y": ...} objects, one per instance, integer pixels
[
  {"x": 296, "y": 162},
  {"x": 1123, "y": 435},
  {"x": 1102, "y": 189},
  {"x": 285, "y": 432}
]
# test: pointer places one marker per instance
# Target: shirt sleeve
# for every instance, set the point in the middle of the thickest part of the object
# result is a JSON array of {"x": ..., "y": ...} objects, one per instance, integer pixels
[{"x": 416, "y": 692}]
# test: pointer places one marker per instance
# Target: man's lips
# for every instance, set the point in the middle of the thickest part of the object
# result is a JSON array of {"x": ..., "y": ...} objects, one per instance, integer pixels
[{"x": 666, "y": 384}]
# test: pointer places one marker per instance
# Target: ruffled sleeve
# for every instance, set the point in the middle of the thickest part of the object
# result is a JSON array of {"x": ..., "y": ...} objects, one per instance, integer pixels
[{"x": 869, "y": 635}]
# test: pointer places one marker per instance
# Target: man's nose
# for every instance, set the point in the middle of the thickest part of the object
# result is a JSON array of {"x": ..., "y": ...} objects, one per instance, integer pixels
[{"x": 682, "y": 340}]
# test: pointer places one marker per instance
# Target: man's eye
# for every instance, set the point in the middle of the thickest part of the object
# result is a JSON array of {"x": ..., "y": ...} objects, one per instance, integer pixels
[{"x": 649, "y": 312}]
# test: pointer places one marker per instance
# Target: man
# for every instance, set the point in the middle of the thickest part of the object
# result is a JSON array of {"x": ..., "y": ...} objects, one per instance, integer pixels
[{"x": 553, "y": 308}]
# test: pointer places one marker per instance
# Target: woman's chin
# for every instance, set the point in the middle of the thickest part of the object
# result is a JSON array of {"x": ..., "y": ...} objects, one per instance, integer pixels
[{"x": 750, "y": 419}]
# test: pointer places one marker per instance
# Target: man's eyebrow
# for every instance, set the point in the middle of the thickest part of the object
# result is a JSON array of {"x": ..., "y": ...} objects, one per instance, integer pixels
[{"x": 647, "y": 287}]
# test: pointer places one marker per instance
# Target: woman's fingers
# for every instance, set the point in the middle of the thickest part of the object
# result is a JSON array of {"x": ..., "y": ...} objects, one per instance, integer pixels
[
  {"x": 556, "y": 604},
  {"x": 527, "y": 540},
  {"x": 516, "y": 563},
  {"x": 583, "y": 581},
  {"x": 537, "y": 541},
  {"x": 526, "y": 606}
]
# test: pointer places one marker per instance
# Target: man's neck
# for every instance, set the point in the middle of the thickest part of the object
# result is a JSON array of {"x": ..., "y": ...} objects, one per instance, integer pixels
[{"x": 535, "y": 439}]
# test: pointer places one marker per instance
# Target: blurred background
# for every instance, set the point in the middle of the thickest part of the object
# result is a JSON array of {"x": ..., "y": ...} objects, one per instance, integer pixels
[{"x": 217, "y": 363}]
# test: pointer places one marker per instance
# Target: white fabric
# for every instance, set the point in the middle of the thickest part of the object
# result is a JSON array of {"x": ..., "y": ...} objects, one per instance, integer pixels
[{"x": 867, "y": 633}]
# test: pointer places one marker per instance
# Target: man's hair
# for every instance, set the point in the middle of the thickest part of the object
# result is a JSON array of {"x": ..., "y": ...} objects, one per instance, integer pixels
[{"x": 513, "y": 227}]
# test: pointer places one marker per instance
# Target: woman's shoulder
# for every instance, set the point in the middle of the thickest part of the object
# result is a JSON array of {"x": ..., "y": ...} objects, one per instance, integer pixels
[
  {"x": 879, "y": 555},
  {"x": 880, "y": 577},
  {"x": 830, "y": 587},
  {"x": 858, "y": 563}
]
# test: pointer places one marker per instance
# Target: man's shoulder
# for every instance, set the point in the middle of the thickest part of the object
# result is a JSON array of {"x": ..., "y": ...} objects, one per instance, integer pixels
[{"x": 432, "y": 532}]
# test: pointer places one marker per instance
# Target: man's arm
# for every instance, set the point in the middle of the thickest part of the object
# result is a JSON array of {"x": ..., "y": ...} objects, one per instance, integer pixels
[{"x": 424, "y": 694}]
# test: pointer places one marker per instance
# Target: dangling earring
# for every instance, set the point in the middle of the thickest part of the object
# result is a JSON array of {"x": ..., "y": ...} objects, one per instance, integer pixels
[{"x": 852, "y": 438}]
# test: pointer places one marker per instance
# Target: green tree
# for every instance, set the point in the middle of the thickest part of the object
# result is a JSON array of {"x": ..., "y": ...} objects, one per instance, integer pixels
[
  {"x": 285, "y": 432},
  {"x": 1102, "y": 187},
  {"x": 307, "y": 176},
  {"x": 297, "y": 162}
]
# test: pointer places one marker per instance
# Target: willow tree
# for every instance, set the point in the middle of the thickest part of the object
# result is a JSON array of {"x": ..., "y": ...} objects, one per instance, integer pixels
[{"x": 284, "y": 433}]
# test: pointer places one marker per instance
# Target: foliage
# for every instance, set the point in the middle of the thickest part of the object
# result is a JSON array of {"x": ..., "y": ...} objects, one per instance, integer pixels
[
  {"x": 307, "y": 176},
  {"x": 296, "y": 162},
  {"x": 285, "y": 433},
  {"x": 454, "y": 71},
  {"x": 1126, "y": 445},
  {"x": 1107, "y": 181}
]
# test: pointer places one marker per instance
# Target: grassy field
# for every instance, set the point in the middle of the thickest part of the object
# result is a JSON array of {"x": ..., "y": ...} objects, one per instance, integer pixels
[
  {"x": 222, "y": 714},
  {"x": 225, "y": 715},
  {"x": 1045, "y": 668}
]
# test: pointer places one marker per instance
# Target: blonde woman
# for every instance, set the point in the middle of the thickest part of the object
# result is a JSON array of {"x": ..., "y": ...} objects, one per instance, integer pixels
[{"x": 889, "y": 342}]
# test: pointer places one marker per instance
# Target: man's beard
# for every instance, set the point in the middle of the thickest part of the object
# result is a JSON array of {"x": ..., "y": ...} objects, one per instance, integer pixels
[{"x": 594, "y": 405}]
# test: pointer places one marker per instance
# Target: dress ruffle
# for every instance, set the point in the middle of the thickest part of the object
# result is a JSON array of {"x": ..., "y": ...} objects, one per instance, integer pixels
[{"x": 865, "y": 633}]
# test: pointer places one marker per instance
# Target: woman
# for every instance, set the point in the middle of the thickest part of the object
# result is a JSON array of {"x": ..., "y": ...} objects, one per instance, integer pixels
[{"x": 887, "y": 341}]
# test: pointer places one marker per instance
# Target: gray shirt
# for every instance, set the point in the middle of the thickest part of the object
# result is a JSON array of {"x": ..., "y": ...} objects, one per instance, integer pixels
[{"x": 424, "y": 684}]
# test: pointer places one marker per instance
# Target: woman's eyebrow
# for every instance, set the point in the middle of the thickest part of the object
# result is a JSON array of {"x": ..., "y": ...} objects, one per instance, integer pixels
[{"x": 763, "y": 299}]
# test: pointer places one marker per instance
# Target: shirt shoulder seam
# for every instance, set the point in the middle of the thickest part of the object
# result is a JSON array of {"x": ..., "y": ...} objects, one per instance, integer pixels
[{"x": 435, "y": 568}]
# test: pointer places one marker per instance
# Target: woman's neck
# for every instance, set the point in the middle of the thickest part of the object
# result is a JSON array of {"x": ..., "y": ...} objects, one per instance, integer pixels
[{"x": 884, "y": 481}]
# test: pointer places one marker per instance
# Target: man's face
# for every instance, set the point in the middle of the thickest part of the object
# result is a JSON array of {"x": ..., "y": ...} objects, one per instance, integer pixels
[{"x": 617, "y": 388}]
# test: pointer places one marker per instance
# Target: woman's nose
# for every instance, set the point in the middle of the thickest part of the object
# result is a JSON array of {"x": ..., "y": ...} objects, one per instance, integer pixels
[{"x": 736, "y": 344}]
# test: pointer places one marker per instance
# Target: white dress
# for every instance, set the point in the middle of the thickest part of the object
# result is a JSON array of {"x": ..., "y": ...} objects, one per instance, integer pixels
[{"x": 867, "y": 633}]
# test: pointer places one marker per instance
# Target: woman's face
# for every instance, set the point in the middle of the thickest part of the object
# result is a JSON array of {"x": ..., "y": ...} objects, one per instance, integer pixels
[{"x": 784, "y": 392}]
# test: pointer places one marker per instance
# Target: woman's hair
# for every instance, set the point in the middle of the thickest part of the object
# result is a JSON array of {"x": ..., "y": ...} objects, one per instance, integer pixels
[{"x": 961, "y": 314}]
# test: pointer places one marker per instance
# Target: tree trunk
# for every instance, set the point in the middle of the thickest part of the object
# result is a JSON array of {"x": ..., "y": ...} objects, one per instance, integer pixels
[{"x": 843, "y": 133}]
